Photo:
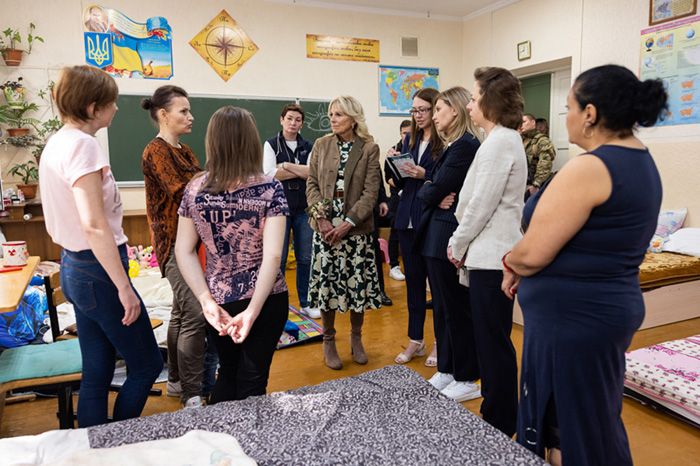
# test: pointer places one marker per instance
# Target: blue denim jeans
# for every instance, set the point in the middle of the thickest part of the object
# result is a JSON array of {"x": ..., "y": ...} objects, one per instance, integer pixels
[
  {"x": 303, "y": 236},
  {"x": 98, "y": 314}
]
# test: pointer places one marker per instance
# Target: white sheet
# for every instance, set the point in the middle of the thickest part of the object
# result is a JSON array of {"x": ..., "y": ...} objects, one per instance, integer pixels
[
  {"x": 684, "y": 241},
  {"x": 72, "y": 448},
  {"x": 156, "y": 294},
  {"x": 46, "y": 448}
]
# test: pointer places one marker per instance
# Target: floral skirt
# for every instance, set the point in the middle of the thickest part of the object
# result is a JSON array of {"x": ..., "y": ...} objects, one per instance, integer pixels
[{"x": 344, "y": 276}]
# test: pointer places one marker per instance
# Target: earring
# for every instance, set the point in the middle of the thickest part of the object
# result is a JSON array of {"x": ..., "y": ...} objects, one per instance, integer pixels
[{"x": 587, "y": 126}]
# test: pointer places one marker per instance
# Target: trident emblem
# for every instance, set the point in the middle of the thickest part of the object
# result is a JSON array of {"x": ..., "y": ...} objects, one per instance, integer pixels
[{"x": 98, "y": 49}]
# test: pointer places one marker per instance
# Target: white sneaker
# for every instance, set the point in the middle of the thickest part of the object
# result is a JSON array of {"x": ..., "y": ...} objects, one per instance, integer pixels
[
  {"x": 311, "y": 312},
  {"x": 173, "y": 389},
  {"x": 462, "y": 391},
  {"x": 441, "y": 380},
  {"x": 396, "y": 274},
  {"x": 194, "y": 402}
]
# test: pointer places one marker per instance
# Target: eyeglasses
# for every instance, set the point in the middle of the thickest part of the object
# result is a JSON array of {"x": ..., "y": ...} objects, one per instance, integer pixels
[{"x": 418, "y": 111}]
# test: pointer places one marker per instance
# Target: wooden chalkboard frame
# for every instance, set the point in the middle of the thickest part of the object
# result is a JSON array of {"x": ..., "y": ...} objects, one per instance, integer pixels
[{"x": 132, "y": 127}]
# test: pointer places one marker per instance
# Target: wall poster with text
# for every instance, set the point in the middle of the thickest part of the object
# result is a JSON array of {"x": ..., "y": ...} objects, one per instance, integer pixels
[{"x": 671, "y": 52}]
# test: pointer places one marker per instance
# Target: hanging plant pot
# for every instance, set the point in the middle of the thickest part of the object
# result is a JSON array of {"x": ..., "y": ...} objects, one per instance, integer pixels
[
  {"x": 12, "y": 57},
  {"x": 29, "y": 190},
  {"x": 14, "y": 96},
  {"x": 14, "y": 132}
]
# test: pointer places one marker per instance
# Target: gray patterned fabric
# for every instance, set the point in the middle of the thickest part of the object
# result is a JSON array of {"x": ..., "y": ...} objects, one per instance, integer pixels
[{"x": 387, "y": 416}]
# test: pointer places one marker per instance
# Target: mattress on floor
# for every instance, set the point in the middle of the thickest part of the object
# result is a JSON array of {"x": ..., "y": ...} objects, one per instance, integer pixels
[
  {"x": 668, "y": 374},
  {"x": 667, "y": 268},
  {"x": 386, "y": 416}
]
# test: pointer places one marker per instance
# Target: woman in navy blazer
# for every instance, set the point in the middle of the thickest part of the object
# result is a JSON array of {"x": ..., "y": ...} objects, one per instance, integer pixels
[
  {"x": 457, "y": 363},
  {"x": 425, "y": 146}
]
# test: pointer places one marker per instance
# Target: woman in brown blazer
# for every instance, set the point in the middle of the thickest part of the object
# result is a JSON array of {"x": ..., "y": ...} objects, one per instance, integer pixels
[{"x": 342, "y": 189}]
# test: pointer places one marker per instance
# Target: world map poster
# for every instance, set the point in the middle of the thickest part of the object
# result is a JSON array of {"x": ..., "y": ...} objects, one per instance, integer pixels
[{"x": 398, "y": 84}]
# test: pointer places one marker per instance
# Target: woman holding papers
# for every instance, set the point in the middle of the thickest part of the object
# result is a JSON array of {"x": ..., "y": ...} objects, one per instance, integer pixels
[
  {"x": 457, "y": 364},
  {"x": 424, "y": 146}
]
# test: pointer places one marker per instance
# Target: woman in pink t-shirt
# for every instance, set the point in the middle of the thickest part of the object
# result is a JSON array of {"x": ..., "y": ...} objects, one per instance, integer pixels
[
  {"x": 83, "y": 214},
  {"x": 238, "y": 213}
]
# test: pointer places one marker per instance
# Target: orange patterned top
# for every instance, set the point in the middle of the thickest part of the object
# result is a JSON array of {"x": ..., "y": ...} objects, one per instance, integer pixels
[{"x": 166, "y": 170}]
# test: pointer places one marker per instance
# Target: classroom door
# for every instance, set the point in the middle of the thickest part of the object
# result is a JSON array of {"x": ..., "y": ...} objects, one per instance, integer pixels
[{"x": 537, "y": 91}]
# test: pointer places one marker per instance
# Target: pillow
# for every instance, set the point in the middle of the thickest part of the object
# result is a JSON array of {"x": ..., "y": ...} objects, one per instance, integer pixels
[
  {"x": 684, "y": 241},
  {"x": 669, "y": 222}
]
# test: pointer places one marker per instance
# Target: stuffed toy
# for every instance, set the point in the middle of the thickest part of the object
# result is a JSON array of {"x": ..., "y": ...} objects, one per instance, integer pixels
[{"x": 134, "y": 268}]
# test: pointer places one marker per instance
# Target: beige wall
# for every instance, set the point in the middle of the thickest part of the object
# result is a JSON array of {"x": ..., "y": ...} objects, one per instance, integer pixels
[
  {"x": 591, "y": 33},
  {"x": 279, "y": 69},
  {"x": 587, "y": 32}
]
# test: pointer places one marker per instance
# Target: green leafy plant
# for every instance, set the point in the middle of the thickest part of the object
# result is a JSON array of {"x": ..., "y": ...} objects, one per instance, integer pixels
[
  {"x": 28, "y": 171},
  {"x": 12, "y": 38},
  {"x": 15, "y": 115},
  {"x": 45, "y": 129},
  {"x": 23, "y": 141}
]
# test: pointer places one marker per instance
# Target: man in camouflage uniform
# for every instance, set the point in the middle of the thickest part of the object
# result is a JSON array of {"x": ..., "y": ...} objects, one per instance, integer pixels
[{"x": 540, "y": 154}]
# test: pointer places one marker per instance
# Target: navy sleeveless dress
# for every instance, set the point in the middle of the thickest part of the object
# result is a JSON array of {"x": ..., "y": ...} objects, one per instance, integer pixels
[{"x": 580, "y": 314}]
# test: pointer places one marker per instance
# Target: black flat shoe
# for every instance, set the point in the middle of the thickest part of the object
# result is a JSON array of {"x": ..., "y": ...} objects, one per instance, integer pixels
[
  {"x": 386, "y": 301},
  {"x": 429, "y": 304}
]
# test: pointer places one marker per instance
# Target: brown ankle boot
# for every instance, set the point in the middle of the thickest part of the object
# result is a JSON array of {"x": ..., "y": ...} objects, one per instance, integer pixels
[
  {"x": 358, "y": 351},
  {"x": 330, "y": 353}
]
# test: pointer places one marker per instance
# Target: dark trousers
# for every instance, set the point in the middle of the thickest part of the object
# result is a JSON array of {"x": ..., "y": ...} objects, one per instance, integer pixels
[
  {"x": 99, "y": 313},
  {"x": 416, "y": 273},
  {"x": 244, "y": 368},
  {"x": 378, "y": 258},
  {"x": 394, "y": 248},
  {"x": 452, "y": 317},
  {"x": 492, "y": 314}
]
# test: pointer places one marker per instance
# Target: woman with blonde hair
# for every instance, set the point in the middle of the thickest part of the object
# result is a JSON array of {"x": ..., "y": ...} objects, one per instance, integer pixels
[
  {"x": 457, "y": 366},
  {"x": 239, "y": 214},
  {"x": 342, "y": 188}
]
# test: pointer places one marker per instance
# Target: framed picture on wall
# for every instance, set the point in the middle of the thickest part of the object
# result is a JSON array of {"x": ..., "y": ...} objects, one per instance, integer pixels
[{"x": 661, "y": 11}]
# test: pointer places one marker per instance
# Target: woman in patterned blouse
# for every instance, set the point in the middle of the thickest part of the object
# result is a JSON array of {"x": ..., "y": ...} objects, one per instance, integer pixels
[
  {"x": 168, "y": 165},
  {"x": 341, "y": 191},
  {"x": 238, "y": 213}
]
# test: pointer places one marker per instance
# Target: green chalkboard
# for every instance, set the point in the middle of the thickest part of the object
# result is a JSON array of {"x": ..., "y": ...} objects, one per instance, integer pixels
[{"x": 132, "y": 127}]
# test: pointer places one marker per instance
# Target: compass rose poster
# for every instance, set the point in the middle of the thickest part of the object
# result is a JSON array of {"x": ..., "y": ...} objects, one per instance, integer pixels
[
  {"x": 125, "y": 48},
  {"x": 224, "y": 45}
]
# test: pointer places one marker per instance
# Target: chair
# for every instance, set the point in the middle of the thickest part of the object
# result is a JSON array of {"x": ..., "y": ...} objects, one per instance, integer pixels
[{"x": 56, "y": 364}]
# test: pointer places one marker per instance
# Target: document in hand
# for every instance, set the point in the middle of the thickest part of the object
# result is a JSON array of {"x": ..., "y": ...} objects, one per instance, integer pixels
[{"x": 397, "y": 165}]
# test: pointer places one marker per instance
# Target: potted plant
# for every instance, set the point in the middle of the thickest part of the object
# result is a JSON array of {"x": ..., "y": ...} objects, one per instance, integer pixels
[
  {"x": 10, "y": 42},
  {"x": 29, "y": 172},
  {"x": 15, "y": 116},
  {"x": 14, "y": 91}
]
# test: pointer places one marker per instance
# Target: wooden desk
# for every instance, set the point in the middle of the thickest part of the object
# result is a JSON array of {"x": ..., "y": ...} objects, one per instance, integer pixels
[
  {"x": 39, "y": 243},
  {"x": 13, "y": 285}
]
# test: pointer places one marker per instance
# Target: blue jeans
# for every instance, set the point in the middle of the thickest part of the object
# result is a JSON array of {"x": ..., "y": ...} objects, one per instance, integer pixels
[
  {"x": 98, "y": 314},
  {"x": 303, "y": 236}
]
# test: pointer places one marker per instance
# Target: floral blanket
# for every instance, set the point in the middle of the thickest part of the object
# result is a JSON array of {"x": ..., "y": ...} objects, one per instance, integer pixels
[{"x": 668, "y": 373}]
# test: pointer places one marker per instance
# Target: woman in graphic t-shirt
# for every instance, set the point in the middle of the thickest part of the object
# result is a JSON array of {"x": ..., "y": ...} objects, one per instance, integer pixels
[
  {"x": 239, "y": 215},
  {"x": 83, "y": 214}
]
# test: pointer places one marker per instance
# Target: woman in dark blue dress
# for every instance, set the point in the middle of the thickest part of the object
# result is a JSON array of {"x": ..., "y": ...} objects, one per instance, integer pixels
[{"x": 579, "y": 258}]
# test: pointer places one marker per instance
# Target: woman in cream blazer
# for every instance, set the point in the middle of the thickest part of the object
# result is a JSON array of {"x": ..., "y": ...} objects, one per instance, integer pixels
[{"x": 489, "y": 212}]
